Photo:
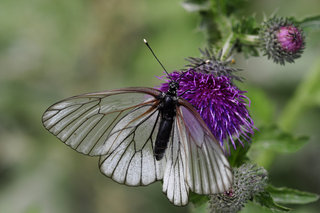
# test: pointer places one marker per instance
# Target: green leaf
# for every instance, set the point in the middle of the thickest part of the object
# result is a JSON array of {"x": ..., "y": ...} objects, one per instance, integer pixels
[
  {"x": 273, "y": 138},
  {"x": 228, "y": 7},
  {"x": 198, "y": 200},
  {"x": 209, "y": 26},
  {"x": 269, "y": 140},
  {"x": 253, "y": 207},
  {"x": 239, "y": 156},
  {"x": 265, "y": 199},
  {"x": 200, "y": 209},
  {"x": 312, "y": 22},
  {"x": 291, "y": 196},
  {"x": 196, "y": 5},
  {"x": 245, "y": 25}
]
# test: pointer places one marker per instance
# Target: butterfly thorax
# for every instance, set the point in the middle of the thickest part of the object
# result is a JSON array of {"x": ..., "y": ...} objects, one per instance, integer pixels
[
  {"x": 167, "y": 110},
  {"x": 169, "y": 102},
  {"x": 167, "y": 107}
]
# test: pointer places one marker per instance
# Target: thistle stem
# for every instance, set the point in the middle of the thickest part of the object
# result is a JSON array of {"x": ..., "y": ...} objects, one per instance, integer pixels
[
  {"x": 228, "y": 47},
  {"x": 251, "y": 40}
]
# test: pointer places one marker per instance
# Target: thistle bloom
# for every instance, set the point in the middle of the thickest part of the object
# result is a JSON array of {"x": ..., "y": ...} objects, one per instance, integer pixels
[
  {"x": 249, "y": 180},
  {"x": 221, "y": 104},
  {"x": 290, "y": 38},
  {"x": 281, "y": 40}
]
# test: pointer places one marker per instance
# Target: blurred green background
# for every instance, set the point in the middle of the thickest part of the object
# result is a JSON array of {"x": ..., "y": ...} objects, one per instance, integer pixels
[{"x": 50, "y": 50}]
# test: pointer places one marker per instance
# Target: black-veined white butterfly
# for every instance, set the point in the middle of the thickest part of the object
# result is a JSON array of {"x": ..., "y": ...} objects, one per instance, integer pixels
[{"x": 143, "y": 135}]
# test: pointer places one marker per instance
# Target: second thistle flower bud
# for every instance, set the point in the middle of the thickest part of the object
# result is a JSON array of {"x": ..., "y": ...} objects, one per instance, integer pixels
[
  {"x": 282, "y": 40},
  {"x": 249, "y": 180}
]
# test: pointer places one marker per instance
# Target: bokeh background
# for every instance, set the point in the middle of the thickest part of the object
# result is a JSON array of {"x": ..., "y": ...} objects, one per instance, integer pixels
[{"x": 50, "y": 50}]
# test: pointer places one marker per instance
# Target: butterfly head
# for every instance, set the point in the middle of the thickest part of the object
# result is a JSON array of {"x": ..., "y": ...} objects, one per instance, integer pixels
[{"x": 173, "y": 87}]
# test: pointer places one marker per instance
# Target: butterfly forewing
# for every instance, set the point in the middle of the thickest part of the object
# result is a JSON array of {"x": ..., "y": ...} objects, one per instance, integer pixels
[{"x": 85, "y": 122}]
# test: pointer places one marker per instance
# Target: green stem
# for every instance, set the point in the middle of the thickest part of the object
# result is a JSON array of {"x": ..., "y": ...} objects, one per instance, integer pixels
[
  {"x": 251, "y": 40},
  {"x": 210, "y": 27},
  {"x": 227, "y": 47}
]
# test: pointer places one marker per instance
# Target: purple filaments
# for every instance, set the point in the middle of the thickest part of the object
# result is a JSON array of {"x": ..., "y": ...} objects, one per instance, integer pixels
[
  {"x": 290, "y": 38},
  {"x": 221, "y": 105}
]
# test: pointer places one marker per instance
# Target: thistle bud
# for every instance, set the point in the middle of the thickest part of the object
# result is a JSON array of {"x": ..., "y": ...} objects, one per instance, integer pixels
[
  {"x": 213, "y": 64},
  {"x": 249, "y": 180},
  {"x": 282, "y": 40}
]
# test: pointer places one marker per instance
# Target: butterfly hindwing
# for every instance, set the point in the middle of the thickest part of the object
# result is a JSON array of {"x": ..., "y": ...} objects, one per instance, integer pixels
[
  {"x": 174, "y": 180},
  {"x": 208, "y": 169},
  {"x": 131, "y": 159}
]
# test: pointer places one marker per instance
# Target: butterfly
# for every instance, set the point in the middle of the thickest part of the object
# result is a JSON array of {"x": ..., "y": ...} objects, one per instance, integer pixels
[{"x": 143, "y": 135}]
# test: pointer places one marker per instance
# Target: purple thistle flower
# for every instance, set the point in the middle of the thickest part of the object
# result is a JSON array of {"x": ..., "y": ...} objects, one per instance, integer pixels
[
  {"x": 290, "y": 38},
  {"x": 220, "y": 103}
]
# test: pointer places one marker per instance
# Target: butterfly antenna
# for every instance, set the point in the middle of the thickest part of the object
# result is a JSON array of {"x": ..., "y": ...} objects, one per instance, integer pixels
[
  {"x": 146, "y": 42},
  {"x": 183, "y": 73}
]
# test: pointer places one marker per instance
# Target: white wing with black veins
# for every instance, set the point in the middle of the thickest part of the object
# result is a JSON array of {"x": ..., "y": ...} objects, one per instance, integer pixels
[
  {"x": 121, "y": 127},
  {"x": 85, "y": 122}
]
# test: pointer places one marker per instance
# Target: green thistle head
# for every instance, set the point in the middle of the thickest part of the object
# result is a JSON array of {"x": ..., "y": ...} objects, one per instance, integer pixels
[
  {"x": 282, "y": 40},
  {"x": 249, "y": 180}
]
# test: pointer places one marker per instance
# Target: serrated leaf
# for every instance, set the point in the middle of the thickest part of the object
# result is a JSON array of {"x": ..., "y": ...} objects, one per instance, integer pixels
[
  {"x": 196, "y": 5},
  {"x": 312, "y": 22},
  {"x": 273, "y": 138},
  {"x": 244, "y": 28},
  {"x": 265, "y": 199},
  {"x": 253, "y": 207},
  {"x": 291, "y": 196},
  {"x": 245, "y": 25}
]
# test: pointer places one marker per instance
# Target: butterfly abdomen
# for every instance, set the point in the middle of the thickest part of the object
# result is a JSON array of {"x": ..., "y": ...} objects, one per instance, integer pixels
[{"x": 168, "y": 112}]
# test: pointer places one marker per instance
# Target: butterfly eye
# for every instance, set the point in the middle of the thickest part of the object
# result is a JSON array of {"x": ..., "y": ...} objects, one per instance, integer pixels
[{"x": 177, "y": 85}]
